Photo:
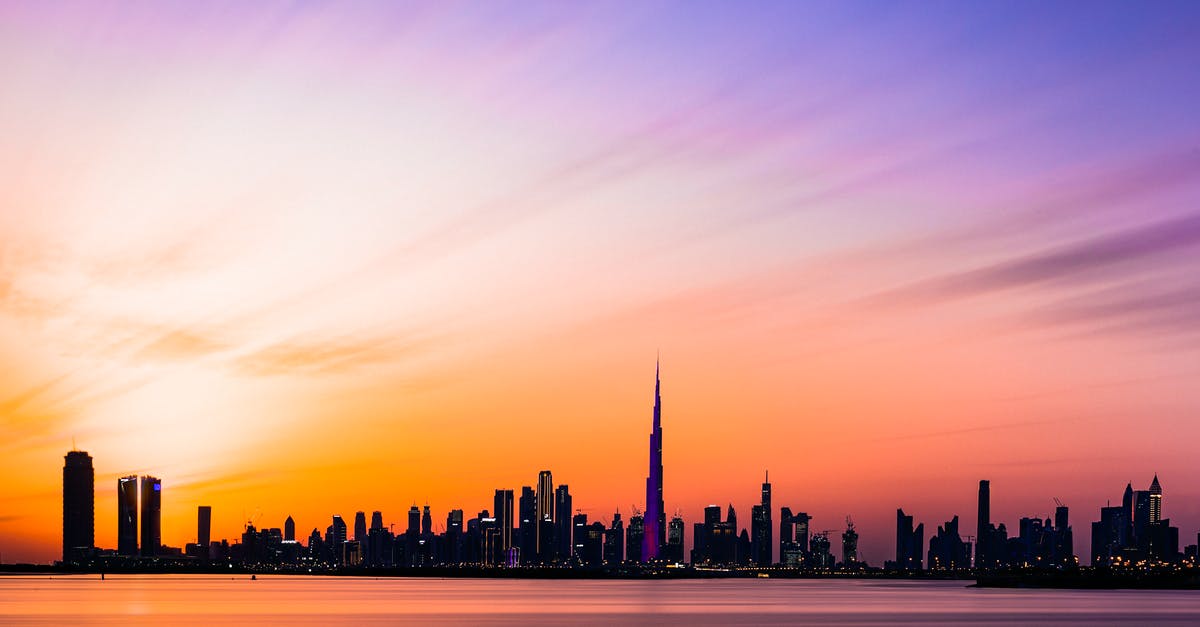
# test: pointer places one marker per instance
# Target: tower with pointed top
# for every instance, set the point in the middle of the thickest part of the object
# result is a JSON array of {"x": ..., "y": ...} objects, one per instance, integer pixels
[
  {"x": 1155, "y": 501},
  {"x": 656, "y": 516}
]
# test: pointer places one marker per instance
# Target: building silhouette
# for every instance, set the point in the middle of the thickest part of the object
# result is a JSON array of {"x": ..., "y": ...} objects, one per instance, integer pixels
[
  {"x": 127, "y": 516},
  {"x": 527, "y": 526},
  {"x": 850, "y": 545},
  {"x": 204, "y": 525},
  {"x": 761, "y": 527},
  {"x": 673, "y": 550},
  {"x": 502, "y": 503},
  {"x": 360, "y": 526},
  {"x": 545, "y": 516},
  {"x": 634, "y": 536},
  {"x": 562, "y": 522},
  {"x": 909, "y": 542},
  {"x": 289, "y": 530},
  {"x": 655, "y": 516},
  {"x": 947, "y": 550},
  {"x": 79, "y": 507},
  {"x": 793, "y": 537},
  {"x": 151, "y": 508}
]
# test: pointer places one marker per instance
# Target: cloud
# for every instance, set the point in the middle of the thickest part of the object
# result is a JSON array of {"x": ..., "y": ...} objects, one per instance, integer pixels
[
  {"x": 331, "y": 356},
  {"x": 1072, "y": 261}
]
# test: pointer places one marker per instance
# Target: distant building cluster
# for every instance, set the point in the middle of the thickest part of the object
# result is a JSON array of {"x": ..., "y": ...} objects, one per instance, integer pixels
[{"x": 540, "y": 527}]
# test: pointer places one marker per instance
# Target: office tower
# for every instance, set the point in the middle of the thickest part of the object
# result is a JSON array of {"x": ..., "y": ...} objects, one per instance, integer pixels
[
  {"x": 151, "y": 516},
  {"x": 1109, "y": 535},
  {"x": 909, "y": 542},
  {"x": 79, "y": 506},
  {"x": 289, "y": 529},
  {"x": 544, "y": 514},
  {"x": 983, "y": 533},
  {"x": 633, "y": 538},
  {"x": 592, "y": 555},
  {"x": 204, "y": 525},
  {"x": 614, "y": 541},
  {"x": 1127, "y": 504},
  {"x": 127, "y": 521},
  {"x": 412, "y": 535},
  {"x": 454, "y": 537},
  {"x": 656, "y": 516},
  {"x": 947, "y": 551},
  {"x": 527, "y": 525},
  {"x": 579, "y": 534},
  {"x": 1141, "y": 520},
  {"x": 376, "y": 520},
  {"x": 793, "y": 537},
  {"x": 760, "y": 528},
  {"x": 562, "y": 517},
  {"x": 503, "y": 511},
  {"x": 673, "y": 550},
  {"x": 1155, "y": 501},
  {"x": 849, "y": 545},
  {"x": 360, "y": 527},
  {"x": 426, "y": 521}
]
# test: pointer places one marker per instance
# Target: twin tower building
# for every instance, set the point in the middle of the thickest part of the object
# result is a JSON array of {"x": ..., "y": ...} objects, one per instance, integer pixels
[{"x": 79, "y": 511}]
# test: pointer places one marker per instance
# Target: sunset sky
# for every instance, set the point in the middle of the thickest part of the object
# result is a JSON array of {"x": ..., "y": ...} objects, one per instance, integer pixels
[{"x": 309, "y": 259}]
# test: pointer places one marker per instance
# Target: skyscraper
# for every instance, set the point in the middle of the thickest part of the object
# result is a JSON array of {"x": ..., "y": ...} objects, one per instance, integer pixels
[
  {"x": 376, "y": 520},
  {"x": 360, "y": 527},
  {"x": 562, "y": 521},
  {"x": 151, "y": 516},
  {"x": 909, "y": 542},
  {"x": 527, "y": 525},
  {"x": 503, "y": 511},
  {"x": 79, "y": 506},
  {"x": 656, "y": 515},
  {"x": 761, "y": 528},
  {"x": 1155, "y": 501},
  {"x": 289, "y": 529},
  {"x": 127, "y": 517},
  {"x": 204, "y": 526},
  {"x": 544, "y": 514},
  {"x": 983, "y": 522}
]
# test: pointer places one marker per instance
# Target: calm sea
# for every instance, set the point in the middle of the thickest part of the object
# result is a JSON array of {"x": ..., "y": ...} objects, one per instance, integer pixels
[{"x": 208, "y": 599}]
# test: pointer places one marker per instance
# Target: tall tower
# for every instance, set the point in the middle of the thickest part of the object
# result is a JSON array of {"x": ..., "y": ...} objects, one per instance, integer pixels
[
  {"x": 151, "y": 516},
  {"x": 79, "y": 506},
  {"x": 289, "y": 529},
  {"x": 1155, "y": 501},
  {"x": 983, "y": 557},
  {"x": 544, "y": 514},
  {"x": 656, "y": 516},
  {"x": 127, "y": 516},
  {"x": 204, "y": 526}
]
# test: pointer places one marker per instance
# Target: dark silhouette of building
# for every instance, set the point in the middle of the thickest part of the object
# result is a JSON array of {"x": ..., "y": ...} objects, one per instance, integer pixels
[
  {"x": 562, "y": 517},
  {"x": 503, "y": 511},
  {"x": 673, "y": 551},
  {"x": 819, "y": 555},
  {"x": 127, "y": 516},
  {"x": 850, "y": 546},
  {"x": 360, "y": 526},
  {"x": 1110, "y": 535},
  {"x": 79, "y": 507},
  {"x": 633, "y": 538},
  {"x": 527, "y": 530},
  {"x": 204, "y": 526},
  {"x": 614, "y": 541},
  {"x": 909, "y": 542},
  {"x": 983, "y": 532},
  {"x": 761, "y": 527},
  {"x": 656, "y": 515},
  {"x": 545, "y": 516},
  {"x": 151, "y": 506},
  {"x": 947, "y": 551},
  {"x": 793, "y": 537},
  {"x": 1155, "y": 496}
]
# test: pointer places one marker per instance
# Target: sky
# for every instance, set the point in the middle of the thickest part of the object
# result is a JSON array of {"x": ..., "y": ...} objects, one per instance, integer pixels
[{"x": 313, "y": 258}]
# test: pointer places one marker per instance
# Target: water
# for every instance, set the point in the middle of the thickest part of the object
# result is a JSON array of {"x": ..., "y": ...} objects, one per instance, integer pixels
[{"x": 207, "y": 599}]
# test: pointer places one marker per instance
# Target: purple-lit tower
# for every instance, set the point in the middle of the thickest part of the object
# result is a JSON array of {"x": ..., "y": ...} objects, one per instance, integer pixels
[{"x": 656, "y": 516}]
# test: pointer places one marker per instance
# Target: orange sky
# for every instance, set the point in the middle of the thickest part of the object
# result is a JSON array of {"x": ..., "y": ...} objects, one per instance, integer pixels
[{"x": 294, "y": 271}]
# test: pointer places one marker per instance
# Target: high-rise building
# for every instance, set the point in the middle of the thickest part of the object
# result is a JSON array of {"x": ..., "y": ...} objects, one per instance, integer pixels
[
  {"x": 983, "y": 523},
  {"x": 336, "y": 534},
  {"x": 426, "y": 521},
  {"x": 909, "y": 542},
  {"x": 527, "y": 530},
  {"x": 562, "y": 521},
  {"x": 947, "y": 551},
  {"x": 289, "y": 529},
  {"x": 761, "y": 528},
  {"x": 544, "y": 514},
  {"x": 503, "y": 511},
  {"x": 79, "y": 506},
  {"x": 793, "y": 537},
  {"x": 127, "y": 516},
  {"x": 360, "y": 526},
  {"x": 633, "y": 538},
  {"x": 673, "y": 549},
  {"x": 151, "y": 506},
  {"x": 656, "y": 515},
  {"x": 1155, "y": 501},
  {"x": 614, "y": 541},
  {"x": 849, "y": 545},
  {"x": 204, "y": 525}
]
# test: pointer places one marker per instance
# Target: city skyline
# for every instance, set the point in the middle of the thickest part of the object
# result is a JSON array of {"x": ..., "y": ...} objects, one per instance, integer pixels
[
  {"x": 312, "y": 258},
  {"x": 548, "y": 531}
]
